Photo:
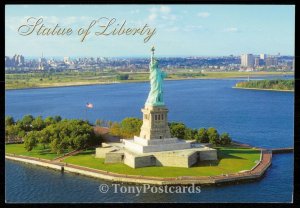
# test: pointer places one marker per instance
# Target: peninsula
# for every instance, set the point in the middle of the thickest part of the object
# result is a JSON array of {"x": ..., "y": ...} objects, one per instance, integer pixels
[{"x": 275, "y": 85}]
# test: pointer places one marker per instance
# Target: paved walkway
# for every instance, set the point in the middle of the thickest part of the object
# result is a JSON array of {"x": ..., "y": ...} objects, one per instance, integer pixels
[
  {"x": 256, "y": 172},
  {"x": 59, "y": 159}
]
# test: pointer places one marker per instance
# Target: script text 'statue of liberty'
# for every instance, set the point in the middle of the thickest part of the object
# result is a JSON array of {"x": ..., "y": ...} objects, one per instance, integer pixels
[{"x": 101, "y": 27}]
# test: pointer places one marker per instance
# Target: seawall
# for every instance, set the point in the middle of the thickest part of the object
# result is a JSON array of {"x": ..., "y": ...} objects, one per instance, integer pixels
[
  {"x": 39, "y": 162},
  {"x": 255, "y": 173}
]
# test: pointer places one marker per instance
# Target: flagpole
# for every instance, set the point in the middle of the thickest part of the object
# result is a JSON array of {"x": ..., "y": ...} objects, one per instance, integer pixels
[
  {"x": 88, "y": 105},
  {"x": 85, "y": 113}
]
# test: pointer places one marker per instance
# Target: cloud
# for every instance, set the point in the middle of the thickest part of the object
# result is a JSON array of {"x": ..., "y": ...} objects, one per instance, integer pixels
[
  {"x": 14, "y": 22},
  {"x": 231, "y": 29},
  {"x": 165, "y": 9},
  {"x": 135, "y": 11},
  {"x": 169, "y": 17},
  {"x": 189, "y": 28},
  {"x": 152, "y": 17},
  {"x": 153, "y": 10},
  {"x": 184, "y": 11},
  {"x": 172, "y": 29},
  {"x": 203, "y": 14},
  {"x": 50, "y": 19},
  {"x": 162, "y": 12},
  {"x": 71, "y": 20}
]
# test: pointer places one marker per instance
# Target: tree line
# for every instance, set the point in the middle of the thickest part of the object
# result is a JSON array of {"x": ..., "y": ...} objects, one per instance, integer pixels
[
  {"x": 62, "y": 134},
  {"x": 52, "y": 132},
  {"x": 201, "y": 135},
  {"x": 268, "y": 84},
  {"x": 130, "y": 127}
]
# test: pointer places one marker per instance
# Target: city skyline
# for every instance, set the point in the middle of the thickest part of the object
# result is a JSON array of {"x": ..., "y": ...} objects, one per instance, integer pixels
[
  {"x": 55, "y": 57},
  {"x": 246, "y": 62},
  {"x": 182, "y": 30}
]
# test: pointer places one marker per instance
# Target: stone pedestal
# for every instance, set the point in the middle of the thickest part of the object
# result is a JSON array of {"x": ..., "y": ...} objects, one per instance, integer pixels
[
  {"x": 155, "y": 123},
  {"x": 140, "y": 145}
]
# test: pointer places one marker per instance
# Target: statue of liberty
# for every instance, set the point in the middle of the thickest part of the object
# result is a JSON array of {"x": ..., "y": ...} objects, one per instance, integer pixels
[{"x": 155, "y": 97}]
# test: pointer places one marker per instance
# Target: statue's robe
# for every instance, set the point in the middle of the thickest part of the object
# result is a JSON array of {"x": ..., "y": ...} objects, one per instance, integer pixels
[{"x": 155, "y": 97}]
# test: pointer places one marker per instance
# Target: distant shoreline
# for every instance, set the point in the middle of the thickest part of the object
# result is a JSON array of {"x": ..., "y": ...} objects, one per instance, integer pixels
[
  {"x": 72, "y": 84},
  {"x": 247, "y": 88}
]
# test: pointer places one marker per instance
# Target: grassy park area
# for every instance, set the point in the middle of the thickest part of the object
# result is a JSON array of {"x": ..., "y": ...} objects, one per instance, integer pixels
[
  {"x": 38, "y": 152},
  {"x": 231, "y": 160},
  {"x": 39, "y": 80}
]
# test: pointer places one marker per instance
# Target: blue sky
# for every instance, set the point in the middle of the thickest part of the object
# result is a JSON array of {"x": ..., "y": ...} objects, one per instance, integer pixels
[{"x": 181, "y": 30}]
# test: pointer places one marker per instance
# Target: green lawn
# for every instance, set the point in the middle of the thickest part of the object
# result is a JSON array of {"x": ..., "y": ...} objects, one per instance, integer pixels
[
  {"x": 38, "y": 152},
  {"x": 231, "y": 160}
]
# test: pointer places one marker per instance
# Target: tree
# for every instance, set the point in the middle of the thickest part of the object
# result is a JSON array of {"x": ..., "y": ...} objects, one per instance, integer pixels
[
  {"x": 130, "y": 127},
  {"x": 11, "y": 132},
  {"x": 213, "y": 136},
  {"x": 190, "y": 134},
  {"x": 38, "y": 123},
  {"x": 203, "y": 136},
  {"x": 21, "y": 133},
  {"x": 44, "y": 137},
  {"x": 177, "y": 130},
  {"x": 49, "y": 120},
  {"x": 82, "y": 135},
  {"x": 26, "y": 122},
  {"x": 9, "y": 121},
  {"x": 122, "y": 76},
  {"x": 30, "y": 140},
  {"x": 115, "y": 129},
  {"x": 69, "y": 134},
  {"x": 56, "y": 146},
  {"x": 225, "y": 139},
  {"x": 99, "y": 122},
  {"x": 57, "y": 119},
  {"x": 109, "y": 124},
  {"x": 80, "y": 141}
]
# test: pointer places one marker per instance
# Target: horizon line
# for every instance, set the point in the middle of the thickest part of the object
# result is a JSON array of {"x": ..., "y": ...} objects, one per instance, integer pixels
[{"x": 141, "y": 56}]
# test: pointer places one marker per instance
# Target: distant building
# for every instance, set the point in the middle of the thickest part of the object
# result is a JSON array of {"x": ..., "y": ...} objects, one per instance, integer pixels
[
  {"x": 263, "y": 56},
  {"x": 271, "y": 61},
  {"x": 257, "y": 61},
  {"x": 67, "y": 60},
  {"x": 247, "y": 60},
  {"x": 20, "y": 60},
  {"x": 42, "y": 64},
  {"x": 293, "y": 68},
  {"x": 8, "y": 61},
  {"x": 16, "y": 60}
]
